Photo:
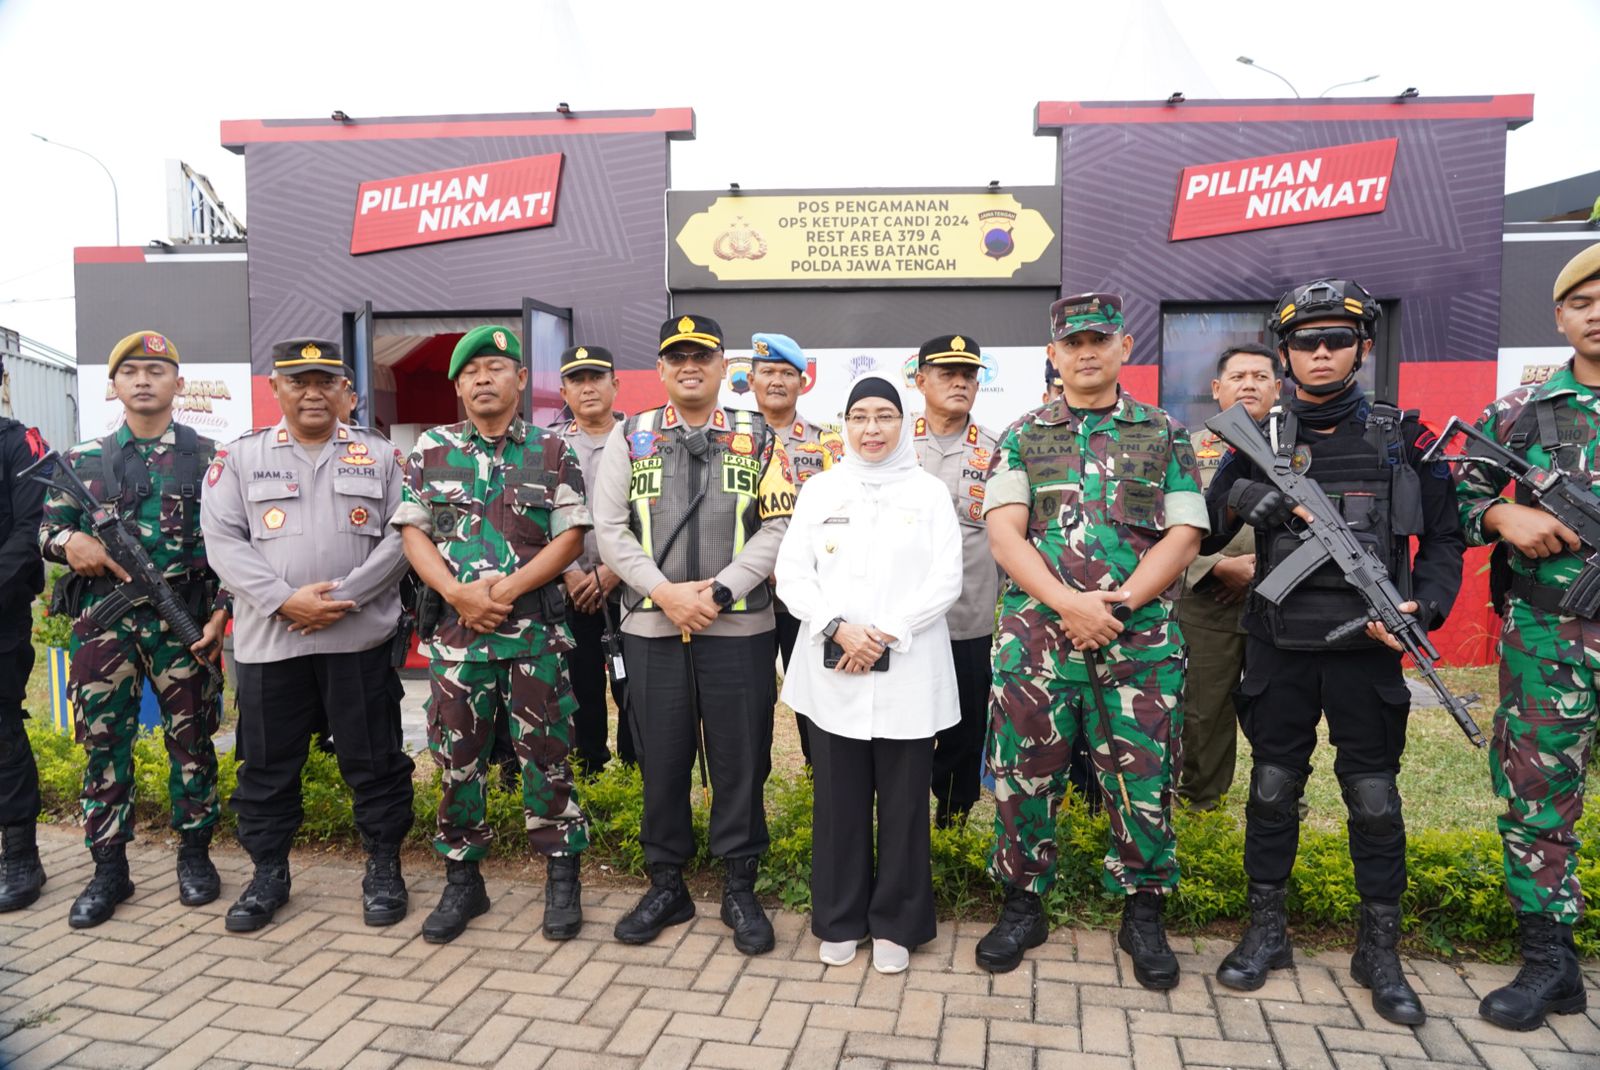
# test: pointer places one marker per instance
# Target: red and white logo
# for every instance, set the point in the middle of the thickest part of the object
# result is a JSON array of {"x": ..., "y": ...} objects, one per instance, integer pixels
[
  {"x": 463, "y": 202},
  {"x": 1279, "y": 191}
]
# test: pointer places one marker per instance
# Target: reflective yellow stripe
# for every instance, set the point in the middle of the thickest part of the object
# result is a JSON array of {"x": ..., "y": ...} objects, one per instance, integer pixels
[
  {"x": 741, "y": 423},
  {"x": 641, "y": 508}
]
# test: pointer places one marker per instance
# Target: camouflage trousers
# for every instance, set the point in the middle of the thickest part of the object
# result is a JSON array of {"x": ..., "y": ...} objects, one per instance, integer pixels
[
  {"x": 1035, "y": 712},
  {"x": 106, "y": 682},
  {"x": 536, "y": 695},
  {"x": 1544, "y": 733}
]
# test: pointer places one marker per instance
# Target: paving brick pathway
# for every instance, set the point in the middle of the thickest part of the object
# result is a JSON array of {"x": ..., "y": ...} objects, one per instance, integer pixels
[{"x": 164, "y": 986}]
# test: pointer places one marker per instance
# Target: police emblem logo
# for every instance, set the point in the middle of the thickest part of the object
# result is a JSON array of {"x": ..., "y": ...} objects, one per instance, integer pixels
[
  {"x": 154, "y": 343},
  {"x": 959, "y": 344},
  {"x": 642, "y": 444},
  {"x": 310, "y": 351},
  {"x": 213, "y": 473},
  {"x": 358, "y": 449},
  {"x": 685, "y": 325},
  {"x": 762, "y": 350},
  {"x": 1300, "y": 460},
  {"x": 499, "y": 340},
  {"x": 273, "y": 518},
  {"x": 358, "y": 516},
  {"x": 740, "y": 241},
  {"x": 581, "y": 354},
  {"x": 742, "y": 444}
]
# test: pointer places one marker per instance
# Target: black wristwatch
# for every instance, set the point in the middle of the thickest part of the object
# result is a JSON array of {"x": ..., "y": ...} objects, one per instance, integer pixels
[
  {"x": 831, "y": 627},
  {"x": 721, "y": 595}
]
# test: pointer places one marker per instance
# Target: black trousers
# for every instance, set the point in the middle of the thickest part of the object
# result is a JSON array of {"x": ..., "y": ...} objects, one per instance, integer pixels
[
  {"x": 850, "y": 896},
  {"x": 19, "y": 775},
  {"x": 788, "y": 633},
  {"x": 958, "y": 750},
  {"x": 736, "y": 687},
  {"x": 1283, "y": 694},
  {"x": 279, "y": 702},
  {"x": 586, "y": 665}
]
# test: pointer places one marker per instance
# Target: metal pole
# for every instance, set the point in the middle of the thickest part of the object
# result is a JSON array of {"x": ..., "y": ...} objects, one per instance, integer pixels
[
  {"x": 1248, "y": 62},
  {"x": 1341, "y": 85},
  {"x": 116, "y": 198}
]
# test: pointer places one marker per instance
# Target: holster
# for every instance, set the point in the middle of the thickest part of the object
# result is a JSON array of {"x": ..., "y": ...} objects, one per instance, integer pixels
[{"x": 430, "y": 611}]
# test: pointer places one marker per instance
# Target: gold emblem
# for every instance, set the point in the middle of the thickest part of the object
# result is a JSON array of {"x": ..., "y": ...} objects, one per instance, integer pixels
[
  {"x": 740, "y": 241},
  {"x": 310, "y": 351},
  {"x": 959, "y": 344},
  {"x": 685, "y": 325},
  {"x": 273, "y": 518},
  {"x": 499, "y": 340},
  {"x": 761, "y": 349},
  {"x": 581, "y": 354}
]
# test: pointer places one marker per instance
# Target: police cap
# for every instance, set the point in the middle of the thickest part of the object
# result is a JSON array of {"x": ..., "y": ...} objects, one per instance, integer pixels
[
  {"x": 950, "y": 349},
  {"x": 701, "y": 330},
  {"x": 298, "y": 355},
  {"x": 586, "y": 358}
]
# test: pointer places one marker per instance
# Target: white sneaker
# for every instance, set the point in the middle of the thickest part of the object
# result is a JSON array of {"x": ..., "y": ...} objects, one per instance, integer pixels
[
  {"x": 889, "y": 957},
  {"x": 837, "y": 952}
]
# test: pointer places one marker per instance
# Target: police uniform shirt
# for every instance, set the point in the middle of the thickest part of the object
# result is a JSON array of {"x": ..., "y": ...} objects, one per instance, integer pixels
[
  {"x": 962, "y": 463},
  {"x": 1199, "y": 606},
  {"x": 589, "y": 448},
  {"x": 811, "y": 449},
  {"x": 276, "y": 517}
]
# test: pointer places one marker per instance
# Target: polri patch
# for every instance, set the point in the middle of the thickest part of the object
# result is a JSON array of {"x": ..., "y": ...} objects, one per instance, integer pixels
[
  {"x": 358, "y": 516},
  {"x": 273, "y": 518}
]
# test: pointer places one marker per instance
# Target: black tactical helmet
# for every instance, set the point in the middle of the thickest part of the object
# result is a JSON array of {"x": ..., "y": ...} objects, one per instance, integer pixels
[{"x": 1325, "y": 297}]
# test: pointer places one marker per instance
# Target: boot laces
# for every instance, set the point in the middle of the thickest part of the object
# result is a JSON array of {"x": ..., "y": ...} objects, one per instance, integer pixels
[
  {"x": 1150, "y": 931},
  {"x": 383, "y": 868},
  {"x": 1538, "y": 970},
  {"x": 15, "y": 869}
]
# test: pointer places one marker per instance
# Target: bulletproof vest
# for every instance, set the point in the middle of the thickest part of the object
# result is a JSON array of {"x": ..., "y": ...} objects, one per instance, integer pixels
[
  {"x": 693, "y": 515},
  {"x": 127, "y": 480},
  {"x": 30, "y": 578},
  {"x": 1050, "y": 454},
  {"x": 1376, "y": 490}
]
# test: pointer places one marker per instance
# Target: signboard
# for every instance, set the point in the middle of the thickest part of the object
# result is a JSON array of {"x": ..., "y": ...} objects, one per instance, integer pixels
[
  {"x": 463, "y": 202},
  {"x": 1279, "y": 191},
  {"x": 216, "y": 400},
  {"x": 822, "y": 238},
  {"x": 1526, "y": 366}
]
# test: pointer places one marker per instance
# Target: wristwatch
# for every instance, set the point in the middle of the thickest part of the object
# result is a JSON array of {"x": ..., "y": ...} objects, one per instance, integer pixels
[
  {"x": 832, "y": 626},
  {"x": 721, "y": 595}
]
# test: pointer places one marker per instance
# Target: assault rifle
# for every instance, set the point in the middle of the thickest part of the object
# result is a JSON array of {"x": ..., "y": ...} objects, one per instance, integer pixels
[
  {"x": 1551, "y": 490},
  {"x": 146, "y": 586},
  {"x": 1326, "y": 537}
]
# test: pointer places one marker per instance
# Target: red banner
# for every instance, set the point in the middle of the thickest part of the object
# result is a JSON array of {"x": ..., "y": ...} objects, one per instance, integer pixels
[
  {"x": 463, "y": 202},
  {"x": 1277, "y": 191}
]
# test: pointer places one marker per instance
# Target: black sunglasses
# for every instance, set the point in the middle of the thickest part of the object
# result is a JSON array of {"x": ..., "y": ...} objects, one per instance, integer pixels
[
  {"x": 676, "y": 357},
  {"x": 1310, "y": 339}
]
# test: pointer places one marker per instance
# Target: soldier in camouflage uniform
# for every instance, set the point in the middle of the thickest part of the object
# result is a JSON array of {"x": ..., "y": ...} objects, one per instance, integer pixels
[
  {"x": 1544, "y": 729},
  {"x": 491, "y": 513},
  {"x": 150, "y": 470},
  {"x": 1092, "y": 504}
]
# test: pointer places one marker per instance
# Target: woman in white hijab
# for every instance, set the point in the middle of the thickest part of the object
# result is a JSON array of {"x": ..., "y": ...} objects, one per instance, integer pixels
[{"x": 869, "y": 565}]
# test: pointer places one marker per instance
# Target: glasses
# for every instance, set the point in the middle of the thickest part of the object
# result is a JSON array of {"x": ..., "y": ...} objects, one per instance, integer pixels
[
  {"x": 1310, "y": 339},
  {"x": 675, "y": 357},
  {"x": 860, "y": 420}
]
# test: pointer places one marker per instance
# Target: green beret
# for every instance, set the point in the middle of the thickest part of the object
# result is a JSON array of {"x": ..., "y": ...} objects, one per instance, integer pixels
[{"x": 485, "y": 341}]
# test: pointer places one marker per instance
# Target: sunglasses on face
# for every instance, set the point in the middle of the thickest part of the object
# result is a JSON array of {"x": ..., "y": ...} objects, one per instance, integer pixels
[
  {"x": 1310, "y": 339},
  {"x": 676, "y": 357}
]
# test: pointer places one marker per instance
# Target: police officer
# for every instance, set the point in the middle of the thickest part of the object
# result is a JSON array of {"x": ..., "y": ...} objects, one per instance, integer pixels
[
  {"x": 690, "y": 505},
  {"x": 1544, "y": 730},
  {"x": 1093, "y": 503},
  {"x": 778, "y": 376},
  {"x": 589, "y": 387},
  {"x": 1212, "y": 605},
  {"x": 1053, "y": 386},
  {"x": 1367, "y": 457},
  {"x": 492, "y": 513},
  {"x": 150, "y": 469},
  {"x": 21, "y": 578},
  {"x": 955, "y": 448},
  {"x": 294, "y": 518}
]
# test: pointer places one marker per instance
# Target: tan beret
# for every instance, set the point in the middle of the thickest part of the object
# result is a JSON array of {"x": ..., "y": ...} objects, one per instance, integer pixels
[
  {"x": 1580, "y": 269},
  {"x": 142, "y": 345}
]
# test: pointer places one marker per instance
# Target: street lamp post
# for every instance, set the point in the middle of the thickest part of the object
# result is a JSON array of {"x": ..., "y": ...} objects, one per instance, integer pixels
[
  {"x": 116, "y": 198},
  {"x": 1341, "y": 85},
  {"x": 1248, "y": 62}
]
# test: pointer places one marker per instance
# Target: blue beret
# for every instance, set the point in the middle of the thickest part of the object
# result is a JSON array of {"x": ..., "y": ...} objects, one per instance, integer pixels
[{"x": 778, "y": 347}]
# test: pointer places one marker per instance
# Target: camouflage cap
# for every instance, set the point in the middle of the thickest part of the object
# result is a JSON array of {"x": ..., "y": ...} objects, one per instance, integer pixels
[
  {"x": 485, "y": 341},
  {"x": 298, "y": 355},
  {"x": 142, "y": 345},
  {"x": 1086, "y": 312},
  {"x": 1579, "y": 270}
]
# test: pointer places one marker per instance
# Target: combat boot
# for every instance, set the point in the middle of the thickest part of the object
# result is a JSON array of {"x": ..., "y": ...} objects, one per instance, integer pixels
[
  {"x": 666, "y": 903},
  {"x": 464, "y": 898},
  {"x": 1376, "y": 965},
  {"x": 1265, "y": 945},
  {"x": 21, "y": 874},
  {"x": 384, "y": 900},
  {"x": 1022, "y": 925},
  {"x": 267, "y": 891},
  {"x": 1548, "y": 983},
  {"x": 563, "y": 898},
  {"x": 109, "y": 886},
  {"x": 1144, "y": 938},
  {"x": 741, "y": 910},
  {"x": 198, "y": 882}
]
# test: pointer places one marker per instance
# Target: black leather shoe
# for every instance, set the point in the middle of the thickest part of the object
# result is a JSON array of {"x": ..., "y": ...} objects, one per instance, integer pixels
[
  {"x": 666, "y": 902},
  {"x": 1548, "y": 983},
  {"x": 1022, "y": 925},
  {"x": 21, "y": 873},
  {"x": 198, "y": 883},
  {"x": 741, "y": 910},
  {"x": 464, "y": 898},
  {"x": 384, "y": 900},
  {"x": 1376, "y": 965},
  {"x": 109, "y": 886},
  {"x": 267, "y": 891},
  {"x": 1265, "y": 945},
  {"x": 563, "y": 898},
  {"x": 1144, "y": 938}
]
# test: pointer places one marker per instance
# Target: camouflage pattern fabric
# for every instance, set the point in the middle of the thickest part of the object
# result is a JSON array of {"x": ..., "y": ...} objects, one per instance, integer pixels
[{"x": 536, "y": 694}]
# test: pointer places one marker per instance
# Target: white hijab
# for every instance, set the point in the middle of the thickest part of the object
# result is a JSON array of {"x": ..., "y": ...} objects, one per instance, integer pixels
[{"x": 902, "y": 458}]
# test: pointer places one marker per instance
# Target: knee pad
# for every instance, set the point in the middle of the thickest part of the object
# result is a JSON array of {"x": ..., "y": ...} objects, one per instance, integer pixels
[
  {"x": 1374, "y": 804},
  {"x": 1274, "y": 795}
]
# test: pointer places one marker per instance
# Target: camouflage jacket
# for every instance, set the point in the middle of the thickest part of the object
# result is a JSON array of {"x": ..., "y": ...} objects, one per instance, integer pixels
[{"x": 491, "y": 506}]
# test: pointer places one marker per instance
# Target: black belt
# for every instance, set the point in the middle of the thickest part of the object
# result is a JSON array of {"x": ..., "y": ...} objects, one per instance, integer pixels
[{"x": 1540, "y": 596}]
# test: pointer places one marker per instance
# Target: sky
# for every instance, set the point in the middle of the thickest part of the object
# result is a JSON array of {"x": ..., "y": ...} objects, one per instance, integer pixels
[{"x": 817, "y": 94}]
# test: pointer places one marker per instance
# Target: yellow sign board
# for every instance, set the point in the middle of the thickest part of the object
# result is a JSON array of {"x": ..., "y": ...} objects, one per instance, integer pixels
[{"x": 879, "y": 235}]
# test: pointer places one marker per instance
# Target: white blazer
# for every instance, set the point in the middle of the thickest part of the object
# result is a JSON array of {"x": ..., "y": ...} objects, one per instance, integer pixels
[{"x": 889, "y": 557}]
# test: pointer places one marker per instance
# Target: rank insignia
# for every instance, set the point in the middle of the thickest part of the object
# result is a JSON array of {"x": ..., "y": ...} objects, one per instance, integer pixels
[
  {"x": 352, "y": 457},
  {"x": 310, "y": 351},
  {"x": 357, "y": 449},
  {"x": 358, "y": 516},
  {"x": 283, "y": 434},
  {"x": 980, "y": 458},
  {"x": 273, "y": 518}
]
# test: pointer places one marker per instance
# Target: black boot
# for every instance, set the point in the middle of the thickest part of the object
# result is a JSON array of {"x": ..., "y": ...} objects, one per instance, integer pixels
[
  {"x": 563, "y": 898},
  {"x": 1265, "y": 945},
  {"x": 109, "y": 886},
  {"x": 267, "y": 891},
  {"x": 1144, "y": 938},
  {"x": 21, "y": 874},
  {"x": 1022, "y": 925},
  {"x": 384, "y": 900},
  {"x": 741, "y": 910},
  {"x": 1548, "y": 983},
  {"x": 198, "y": 883},
  {"x": 464, "y": 898},
  {"x": 666, "y": 903},
  {"x": 1375, "y": 965}
]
